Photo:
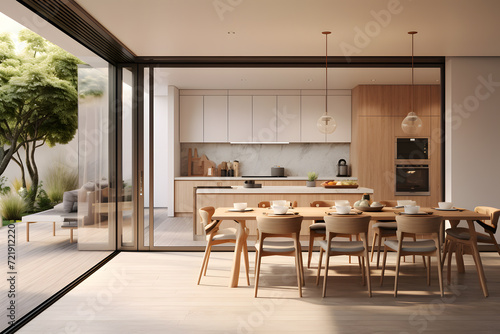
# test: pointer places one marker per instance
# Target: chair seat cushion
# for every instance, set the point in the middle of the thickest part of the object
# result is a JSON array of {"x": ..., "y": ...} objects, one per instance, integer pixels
[
  {"x": 386, "y": 226},
  {"x": 317, "y": 227},
  {"x": 276, "y": 245},
  {"x": 462, "y": 233},
  {"x": 343, "y": 246},
  {"x": 412, "y": 246},
  {"x": 224, "y": 234}
]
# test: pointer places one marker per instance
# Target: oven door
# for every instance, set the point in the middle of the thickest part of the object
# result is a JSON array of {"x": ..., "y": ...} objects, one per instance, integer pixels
[{"x": 412, "y": 180}]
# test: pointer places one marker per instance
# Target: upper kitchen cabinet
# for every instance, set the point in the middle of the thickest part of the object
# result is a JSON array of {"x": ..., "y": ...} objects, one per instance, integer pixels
[
  {"x": 264, "y": 118},
  {"x": 215, "y": 119},
  {"x": 339, "y": 107},
  {"x": 312, "y": 107},
  {"x": 288, "y": 119},
  {"x": 191, "y": 119},
  {"x": 240, "y": 118}
]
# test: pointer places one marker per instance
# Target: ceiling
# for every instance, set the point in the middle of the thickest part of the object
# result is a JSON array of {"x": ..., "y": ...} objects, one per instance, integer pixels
[{"x": 293, "y": 27}]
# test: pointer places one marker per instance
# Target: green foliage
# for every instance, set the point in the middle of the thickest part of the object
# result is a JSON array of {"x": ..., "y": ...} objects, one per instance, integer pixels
[
  {"x": 17, "y": 184},
  {"x": 38, "y": 100},
  {"x": 12, "y": 206},
  {"x": 58, "y": 180},
  {"x": 4, "y": 190},
  {"x": 312, "y": 176},
  {"x": 43, "y": 201}
]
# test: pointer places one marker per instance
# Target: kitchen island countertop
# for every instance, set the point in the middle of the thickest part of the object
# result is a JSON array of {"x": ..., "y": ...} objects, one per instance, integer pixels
[{"x": 285, "y": 190}]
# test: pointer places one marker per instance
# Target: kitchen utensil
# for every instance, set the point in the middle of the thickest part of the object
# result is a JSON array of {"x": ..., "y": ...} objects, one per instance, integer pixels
[
  {"x": 342, "y": 168},
  {"x": 277, "y": 171}
]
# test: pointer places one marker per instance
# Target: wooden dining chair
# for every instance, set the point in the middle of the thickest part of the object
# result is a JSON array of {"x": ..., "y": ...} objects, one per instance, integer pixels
[
  {"x": 459, "y": 240},
  {"x": 383, "y": 230},
  {"x": 218, "y": 236},
  {"x": 345, "y": 225},
  {"x": 408, "y": 225},
  {"x": 282, "y": 227},
  {"x": 317, "y": 229}
]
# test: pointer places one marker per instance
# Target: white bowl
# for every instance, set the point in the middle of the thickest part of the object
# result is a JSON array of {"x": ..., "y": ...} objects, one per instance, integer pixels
[
  {"x": 412, "y": 209},
  {"x": 279, "y": 209},
  {"x": 343, "y": 209},
  {"x": 240, "y": 206},
  {"x": 342, "y": 202},
  {"x": 445, "y": 205},
  {"x": 280, "y": 203}
]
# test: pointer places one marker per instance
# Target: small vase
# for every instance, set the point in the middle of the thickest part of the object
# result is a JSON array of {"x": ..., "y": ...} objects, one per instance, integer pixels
[{"x": 311, "y": 183}]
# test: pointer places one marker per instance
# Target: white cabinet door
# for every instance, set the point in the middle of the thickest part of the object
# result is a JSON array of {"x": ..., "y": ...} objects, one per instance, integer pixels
[
  {"x": 191, "y": 119},
  {"x": 240, "y": 119},
  {"x": 264, "y": 118},
  {"x": 288, "y": 115},
  {"x": 312, "y": 107},
  {"x": 339, "y": 107},
  {"x": 215, "y": 119}
]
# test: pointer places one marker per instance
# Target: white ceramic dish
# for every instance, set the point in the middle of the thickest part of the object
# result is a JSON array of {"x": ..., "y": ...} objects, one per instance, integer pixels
[
  {"x": 240, "y": 210},
  {"x": 240, "y": 206},
  {"x": 451, "y": 209}
]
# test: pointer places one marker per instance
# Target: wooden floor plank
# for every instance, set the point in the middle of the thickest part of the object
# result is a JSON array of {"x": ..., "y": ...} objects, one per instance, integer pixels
[{"x": 157, "y": 293}]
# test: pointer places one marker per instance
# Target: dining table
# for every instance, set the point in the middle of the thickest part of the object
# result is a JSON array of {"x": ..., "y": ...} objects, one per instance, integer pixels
[{"x": 317, "y": 213}]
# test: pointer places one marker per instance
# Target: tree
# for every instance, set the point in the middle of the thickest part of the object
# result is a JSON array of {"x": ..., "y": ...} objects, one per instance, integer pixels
[{"x": 38, "y": 101}]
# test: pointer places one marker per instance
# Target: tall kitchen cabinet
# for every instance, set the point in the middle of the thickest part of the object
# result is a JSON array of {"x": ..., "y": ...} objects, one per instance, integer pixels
[{"x": 377, "y": 113}]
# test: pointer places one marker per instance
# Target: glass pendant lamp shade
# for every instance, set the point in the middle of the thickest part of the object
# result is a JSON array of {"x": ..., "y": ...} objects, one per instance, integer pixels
[
  {"x": 412, "y": 124},
  {"x": 326, "y": 123}
]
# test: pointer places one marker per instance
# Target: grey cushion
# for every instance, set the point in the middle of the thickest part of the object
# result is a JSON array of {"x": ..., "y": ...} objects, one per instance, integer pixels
[
  {"x": 317, "y": 227},
  {"x": 412, "y": 246},
  {"x": 70, "y": 201},
  {"x": 386, "y": 226},
  {"x": 463, "y": 234},
  {"x": 276, "y": 246},
  {"x": 343, "y": 246}
]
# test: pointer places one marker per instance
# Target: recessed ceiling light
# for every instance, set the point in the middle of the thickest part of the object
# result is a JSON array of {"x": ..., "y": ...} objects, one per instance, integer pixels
[
  {"x": 373, "y": 80},
  {"x": 231, "y": 33},
  {"x": 309, "y": 80}
]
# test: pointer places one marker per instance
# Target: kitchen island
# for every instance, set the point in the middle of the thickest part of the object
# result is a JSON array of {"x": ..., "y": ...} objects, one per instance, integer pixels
[{"x": 225, "y": 197}]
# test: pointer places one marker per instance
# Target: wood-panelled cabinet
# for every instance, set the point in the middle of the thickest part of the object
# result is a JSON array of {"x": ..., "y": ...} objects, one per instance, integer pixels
[{"x": 377, "y": 113}]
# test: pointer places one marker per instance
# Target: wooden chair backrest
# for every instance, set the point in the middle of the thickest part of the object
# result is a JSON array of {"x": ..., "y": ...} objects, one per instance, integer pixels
[
  {"x": 322, "y": 204},
  {"x": 206, "y": 214},
  {"x": 493, "y": 212},
  {"x": 264, "y": 204},
  {"x": 419, "y": 224},
  {"x": 279, "y": 225},
  {"x": 347, "y": 224}
]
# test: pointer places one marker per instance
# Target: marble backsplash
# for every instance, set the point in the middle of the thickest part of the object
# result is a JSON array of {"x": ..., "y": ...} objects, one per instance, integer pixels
[{"x": 298, "y": 159}]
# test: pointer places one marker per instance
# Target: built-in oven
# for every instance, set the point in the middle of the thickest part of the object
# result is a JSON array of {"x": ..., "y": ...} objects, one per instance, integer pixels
[
  {"x": 412, "y": 180},
  {"x": 412, "y": 148}
]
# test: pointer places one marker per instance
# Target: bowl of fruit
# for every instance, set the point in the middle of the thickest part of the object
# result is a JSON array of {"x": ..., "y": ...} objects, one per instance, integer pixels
[
  {"x": 365, "y": 206},
  {"x": 340, "y": 184}
]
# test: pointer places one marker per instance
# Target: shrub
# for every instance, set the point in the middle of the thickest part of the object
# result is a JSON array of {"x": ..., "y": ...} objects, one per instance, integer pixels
[
  {"x": 58, "y": 180},
  {"x": 12, "y": 206},
  {"x": 18, "y": 185},
  {"x": 4, "y": 190}
]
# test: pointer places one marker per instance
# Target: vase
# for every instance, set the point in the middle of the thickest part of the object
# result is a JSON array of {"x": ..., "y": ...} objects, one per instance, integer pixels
[{"x": 311, "y": 183}]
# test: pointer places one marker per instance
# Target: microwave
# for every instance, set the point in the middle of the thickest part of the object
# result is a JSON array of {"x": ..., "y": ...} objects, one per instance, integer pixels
[{"x": 412, "y": 148}]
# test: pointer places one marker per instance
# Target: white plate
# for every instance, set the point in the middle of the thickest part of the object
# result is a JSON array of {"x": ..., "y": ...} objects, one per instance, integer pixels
[
  {"x": 418, "y": 213},
  {"x": 238, "y": 210},
  {"x": 452, "y": 209}
]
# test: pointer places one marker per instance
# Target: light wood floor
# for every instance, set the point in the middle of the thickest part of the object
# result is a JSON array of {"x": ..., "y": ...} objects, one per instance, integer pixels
[
  {"x": 44, "y": 265},
  {"x": 156, "y": 292}
]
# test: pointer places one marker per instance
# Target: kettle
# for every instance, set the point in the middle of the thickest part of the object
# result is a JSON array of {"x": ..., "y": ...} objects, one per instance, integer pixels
[{"x": 342, "y": 168}]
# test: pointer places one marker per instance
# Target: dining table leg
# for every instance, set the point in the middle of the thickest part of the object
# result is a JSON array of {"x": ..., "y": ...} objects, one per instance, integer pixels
[
  {"x": 477, "y": 258},
  {"x": 241, "y": 239}
]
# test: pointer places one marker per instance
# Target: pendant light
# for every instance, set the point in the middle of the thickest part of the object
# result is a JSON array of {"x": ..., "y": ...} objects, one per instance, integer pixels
[
  {"x": 412, "y": 124},
  {"x": 326, "y": 123}
]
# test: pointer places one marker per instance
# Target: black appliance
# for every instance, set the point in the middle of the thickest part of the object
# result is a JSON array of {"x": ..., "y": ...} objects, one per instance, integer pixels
[
  {"x": 412, "y": 180},
  {"x": 342, "y": 168},
  {"x": 412, "y": 148}
]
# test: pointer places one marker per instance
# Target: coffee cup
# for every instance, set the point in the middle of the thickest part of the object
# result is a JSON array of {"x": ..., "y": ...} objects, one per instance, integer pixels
[
  {"x": 412, "y": 209},
  {"x": 343, "y": 209},
  {"x": 342, "y": 202},
  {"x": 240, "y": 206},
  {"x": 445, "y": 205},
  {"x": 279, "y": 209}
]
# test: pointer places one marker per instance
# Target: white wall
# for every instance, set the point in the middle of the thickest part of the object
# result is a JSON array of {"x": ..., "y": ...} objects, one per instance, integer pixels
[{"x": 472, "y": 131}]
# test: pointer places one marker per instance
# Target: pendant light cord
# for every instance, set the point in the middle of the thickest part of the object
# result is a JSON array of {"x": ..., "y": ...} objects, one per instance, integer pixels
[
  {"x": 412, "y": 33},
  {"x": 326, "y": 33}
]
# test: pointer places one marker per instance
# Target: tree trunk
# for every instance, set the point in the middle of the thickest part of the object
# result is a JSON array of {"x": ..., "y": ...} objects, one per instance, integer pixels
[{"x": 33, "y": 172}]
